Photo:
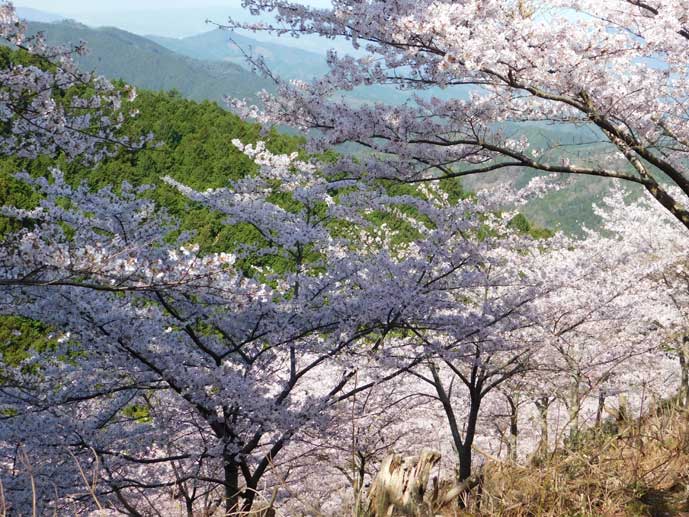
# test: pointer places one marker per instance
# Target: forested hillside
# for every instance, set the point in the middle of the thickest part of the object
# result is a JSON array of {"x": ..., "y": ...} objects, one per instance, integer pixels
[
  {"x": 568, "y": 210},
  {"x": 190, "y": 144},
  {"x": 209, "y": 67},
  {"x": 118, "y": 54}
]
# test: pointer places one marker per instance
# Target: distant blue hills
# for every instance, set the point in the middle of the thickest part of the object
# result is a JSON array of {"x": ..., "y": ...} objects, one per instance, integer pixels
[
  {"x": 27, "y": 13},
  {"x": 118, "y": 54}
]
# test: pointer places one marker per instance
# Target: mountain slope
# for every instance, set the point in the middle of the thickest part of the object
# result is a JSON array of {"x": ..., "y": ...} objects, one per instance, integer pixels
[
  {"x": 144, "y": 63},
  {"x": 217, "y": 45},
  {"x": 118, "y": 54},
  {"x": 284, "y": 61},
  {"x": 175, "y": 21}
]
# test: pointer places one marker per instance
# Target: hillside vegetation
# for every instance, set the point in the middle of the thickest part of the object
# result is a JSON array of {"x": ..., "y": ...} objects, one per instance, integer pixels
[
  {"x": 191, "y": 144},
  {"x": 207, "y": 66}
]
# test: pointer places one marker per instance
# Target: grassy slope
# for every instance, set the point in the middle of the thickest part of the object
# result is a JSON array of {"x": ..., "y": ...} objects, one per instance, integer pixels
[{"x": 629, "y": 468}]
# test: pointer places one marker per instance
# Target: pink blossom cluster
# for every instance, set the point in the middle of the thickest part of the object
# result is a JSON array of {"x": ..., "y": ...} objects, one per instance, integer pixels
[{"x": 486, "y": 72}]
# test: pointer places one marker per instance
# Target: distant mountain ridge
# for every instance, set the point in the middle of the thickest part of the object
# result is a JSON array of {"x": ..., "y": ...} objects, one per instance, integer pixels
[
  {"x": 30, "y": 14},
  {"x": 284, "y": 61},
  {"x": 118, "y": 54},
  {"x": 222, "y": 45}
]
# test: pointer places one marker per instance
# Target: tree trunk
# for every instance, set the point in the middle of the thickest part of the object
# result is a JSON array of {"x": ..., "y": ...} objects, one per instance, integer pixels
[
  {"x": 358, "y": 482},
  {"x": 463, "y": 448},
  {"x": 231, "y": 487},
  {"x": 623, "y": 411},
  {"x": 514, "y": 429},
  {"x": 465, "y": 452},
  {"x": 684, "y": 366},
  {"x": 573, "y": 410},
  {"x": 449, "y": 412},
  {"x": 601, "y": 407},
  {"x": 543, "y": 406}
]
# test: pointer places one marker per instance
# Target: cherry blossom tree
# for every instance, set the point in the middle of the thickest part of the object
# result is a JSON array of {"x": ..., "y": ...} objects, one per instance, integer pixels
[
  {"x": 595, "y": 324},
  {"x": 607, "y": 323},
  {"x": 224, "y": 354},
  {"x": 476, "y": 337},
  {"x": 176, "y": 371},
  {"x": 49, "y": 106},
  {"x": 488, "y": 72},
  {"x": 659, "y": 246},
  {"x": 196, "y": 382}
]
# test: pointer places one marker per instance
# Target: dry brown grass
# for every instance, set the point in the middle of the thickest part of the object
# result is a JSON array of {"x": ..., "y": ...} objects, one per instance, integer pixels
[{"x": 638, "y": 469}]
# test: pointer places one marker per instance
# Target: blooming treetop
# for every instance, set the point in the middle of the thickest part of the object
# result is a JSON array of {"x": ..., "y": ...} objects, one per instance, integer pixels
[
  {"x": 614, "y": 68},
  {"x": 47, "y": 105}
]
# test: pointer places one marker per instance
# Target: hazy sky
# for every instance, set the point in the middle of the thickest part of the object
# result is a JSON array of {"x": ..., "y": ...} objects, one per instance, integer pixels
[
  {"x": 110, "y": 5},
  {"x": 174, "y": 18},
  {"x": 76, "y": 6}
]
